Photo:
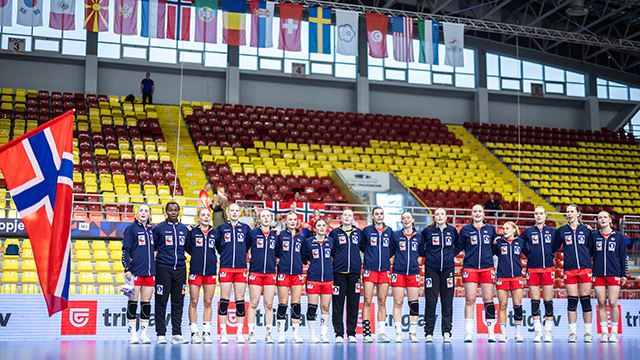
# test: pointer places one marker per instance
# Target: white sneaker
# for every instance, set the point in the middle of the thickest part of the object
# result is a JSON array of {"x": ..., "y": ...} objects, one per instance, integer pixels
[
  {"x": 501, "y": 338},
  {"x": 398, "y": 338},
  {"x": 196, "y": 339},
  {"x": 518, "y": 338},
  {"x": 297, "y": 339},
  {"x": 604, "y": 338},
  {"x": 428, "y": 339},
  {"x": 572, "y": 338},
  {"x": 177, "y": 339},
  {"x": 282, "y": 339},
  {"x": 315, "y": 340},
  {"x": 537, "y": 337},
  {"x": 324, "y": 339},
  {"x": 613, "y": 338},
  {"x": 382, "y": 338},
  {"x": 161, "y": 340},
  {"x": 367, "y": 339},
  {"x": 447, "y": 338},
  {"x": 352, "y": 339},
  {"x": 468, "y": 338},
  {"x": 268, "y": 338},
  {"x": 339, "y": 339},
  {"x": 134, "y": 339},
  {"x": 547, "y": 336},
  {"x": 413, "y": 337},
  {"x": 492, "y": 338},
  {"x": 252, "y": 339},
  {"x": 588, "y": 338},
  {"x": 240, "y": 339},
  {"x": 206, "y": 338},
  {"x": 144, "y": 339},
  {"x": 224, "y": 339}
]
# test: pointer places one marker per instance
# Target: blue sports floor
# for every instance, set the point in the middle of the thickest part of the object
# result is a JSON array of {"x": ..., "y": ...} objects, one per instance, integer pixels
[{"x": 481, "y": 350}]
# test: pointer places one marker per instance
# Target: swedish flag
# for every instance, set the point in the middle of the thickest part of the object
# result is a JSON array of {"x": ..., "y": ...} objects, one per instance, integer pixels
[{"x": 319, "y": 30}]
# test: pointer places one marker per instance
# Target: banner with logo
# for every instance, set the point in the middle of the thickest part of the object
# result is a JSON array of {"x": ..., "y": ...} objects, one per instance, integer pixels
[
  {"x": 103, "y": 317},
  {"x": 79, "y": 229}
]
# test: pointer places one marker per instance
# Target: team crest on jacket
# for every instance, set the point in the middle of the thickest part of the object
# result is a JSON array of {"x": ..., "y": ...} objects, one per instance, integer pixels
[
  {"x": 199, "y": 241},
  {"x": 611, "y": 246},
  {"x": 355, "y": 239},
  {"x": 435, "y": 240},
  {"x": 168, "y": 240},
  {"x": 402, "y": 245},
  {"x": 385, "y": 242},
  {"x": 474, "y": 239},
  {"x": 298, "y": 246},
  {"x": 142, "y": 240},
  {"x": 316, "y": 253},
  {"x": 414, "y": 246},
  {"x": 327, "y": 253},
  {"x": 598, "y": 245},
  {"x": 516, "y": 250},
  {"x": 212, "y": 243},
  {"x": 227, "y": 237},
  {"x": 342, "y": 239},
  {"x": 374, "y": 241},
  {"x": 182, "y": 239},
  {"x": 240, "y": 237},
  {"x": 285, "y": 246},
  {"x": 581, "y": 239},
  {"x": 504, "y": 250},
  {"x": 535, "y": 239},
  {"x": 486, "y": 239},
  {"x": 547, "y": 238},
  {"x": 448, "y": 241},
  {"x": 568, "y": 239}
]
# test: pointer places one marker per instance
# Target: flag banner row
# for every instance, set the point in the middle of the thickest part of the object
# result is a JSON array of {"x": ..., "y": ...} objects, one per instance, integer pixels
[{"x": 171, "y": 19}]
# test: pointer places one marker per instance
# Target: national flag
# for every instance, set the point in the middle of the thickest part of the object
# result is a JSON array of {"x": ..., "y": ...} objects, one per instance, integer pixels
[
  {"x": 402, "y": 30},
  {"x": 377, "y": 27},
  {"x": 125, "y": 17},
  {"x": 29, "y": 12},
  {"x": 153, "y": 18},
  {"x": 290, "y": 26},
  {"x": 62, "y": 15},
  {"x": 206, "y": 21},
  {"x": 306, "y": 209},
  {"x": 178, "y": 19},
  {"x": 38, "y": 170},
  {"x": 347, "y": 32},
  {"x": 5, "y": 12},
  {"x": 453, "y": 44},
  {"x": 96, "y": 15},
  {"x": 429, "y": 35},
  {"x": 262, "y": 23},
  {"x": 233, "y": 22},
  {"x": 278, "y": 207},
  {"x": 319, "y": 30}
]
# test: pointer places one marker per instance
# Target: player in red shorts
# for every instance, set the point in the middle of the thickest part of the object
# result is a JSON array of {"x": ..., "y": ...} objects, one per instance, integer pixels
[
  {"x": 610, "y": 271},
  {"x": 376, "y": 245},
  {"x": 231, "y": 244},
  {"x": 262, "y": 273},
  {"x": 317, "y": 251},
  {"x": 290, "y": 277},
  {"x": 407, "y": 246},
  {"x": 477, "y": 269},
  {"x": 201, "y": 245},
  {"x": 575, "y": 240},
  {"x": 508, "y": 249},
  {"x": 139, "y": 264}
]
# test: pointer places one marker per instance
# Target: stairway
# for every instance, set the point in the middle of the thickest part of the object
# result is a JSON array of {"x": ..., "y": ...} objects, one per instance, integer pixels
[{"x": 188, "y": 166}]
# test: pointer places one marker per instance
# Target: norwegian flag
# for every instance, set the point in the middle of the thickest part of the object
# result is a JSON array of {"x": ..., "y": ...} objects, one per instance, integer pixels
[
  {"x": 402, "y": 30},
  {"x": 38, "y": 169},
  {"x": 306, "y": 210},
  {"x": 278, "y": 207},
  {"x": 178, "y": 19}
]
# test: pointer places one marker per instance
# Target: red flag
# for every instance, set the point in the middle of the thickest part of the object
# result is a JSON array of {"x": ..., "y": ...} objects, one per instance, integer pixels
[
  {"x": 96, "y": 15},
  {"x": 178, "y": 19},
  {"x": 377, "y": 35},
  {"x": 203, "y": 199},
  {"x": 125, "y": 17},
  {"x": 38, "y": 169},
  {"x": 290, "y": 24}
]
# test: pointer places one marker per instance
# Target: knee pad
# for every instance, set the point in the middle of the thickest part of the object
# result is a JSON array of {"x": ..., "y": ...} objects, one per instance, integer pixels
[
  {"x": 145, "y": 314},
  {"x": 240, "y": 308},
  {"x": 585, "y": 302},
  {"x": 414, "y": 308},
  {"x": 224, "y": 306},
  {"x": 517, "y": 312},
  {"x": 572, "y": 303},
  {"x": 311, "y": 312},
  {"x": 132, "y": 309},
  {"x": 548, "y": 308},
  {"x": 535, "y": 307},
  {"x": 282, "y": 312},
  {"x": 489, "y": 310},
  {"x": 296, "y": 311}
]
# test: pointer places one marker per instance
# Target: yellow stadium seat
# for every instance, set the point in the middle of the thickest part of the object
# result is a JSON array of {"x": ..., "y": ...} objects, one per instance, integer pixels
[
  {"x": 85, "y": 266},
  {"x": 105, "y": 278},
  {"x": 10, "y": 264},
  {"x": 86, "y": 278},
  {"x": 29, "y": 277},
  {"x": 28, "y": 265},
  {"x": 83, "y": 255},
  {"x": 9, "y": 277},
  {"x": 81, "y": 245},
  {"x": 100, "y": 255},
  {"x": 103, "y": 266}
]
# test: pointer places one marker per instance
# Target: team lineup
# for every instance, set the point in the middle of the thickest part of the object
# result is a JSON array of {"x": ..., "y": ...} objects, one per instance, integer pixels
[{"x": 347, "y": 261}]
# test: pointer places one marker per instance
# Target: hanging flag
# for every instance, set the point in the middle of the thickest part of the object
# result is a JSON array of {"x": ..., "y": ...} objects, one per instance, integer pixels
[
  {"x": 38, "y": 169},
  {"x": 96, "y": 15},
  {"x": 319, "y": 30},
  {"x": 62, "y": 15},
  {"x": 153, "y": 18},
  {"x": 290, "y": 24},
  {"x": 429, "y": 34},
  {"x": 5, "y": 12},
  {"x": 402, "y": 30},
  {"x": 233, "y": 22},
  {"x": 125, "y": 17},
  {"x": 453, "y": 44},
  {"x": 206, "y": 21},
  {"x": 377, "y": 27},
  {"x": 278, "y": 207},
  {"x": 305, "y": 210},
  {"x": 347, "y": 32},
  {"x": 178, "y": 19},
  {"x": 262, "y": 23},
  {"x": 29, "y": 12}
]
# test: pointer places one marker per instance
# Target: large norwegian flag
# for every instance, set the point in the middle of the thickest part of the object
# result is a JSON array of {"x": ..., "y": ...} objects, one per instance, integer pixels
[
  {"x": 290, "y": 26},
  {"x": 38, "y": 169},
  {"x": 178, "y": 19},
  {"x": 305, "y": 210},
  {"x": 402, "y": 30},
  {"x": 278, "y": 207}
]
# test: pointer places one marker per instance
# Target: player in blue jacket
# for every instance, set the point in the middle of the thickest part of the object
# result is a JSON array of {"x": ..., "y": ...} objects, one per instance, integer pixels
[
  {"x": 407, "y": 246},
  {"x": 262, "y": 273},
  {"x": 290, "y": 277},
  {"x": 477, "y": 269},
  {"x": 508, "y": 248},
  {"x": 169, "y": 238},
  {"x": 376, "y": 245},
  {"x": 317, "y": 251},
  {"x": 139, "y": 264},
  {"x": 575, "y": 240},
  {"x": 610, "y": 271},
  {"x": 201, "y": 245}
]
